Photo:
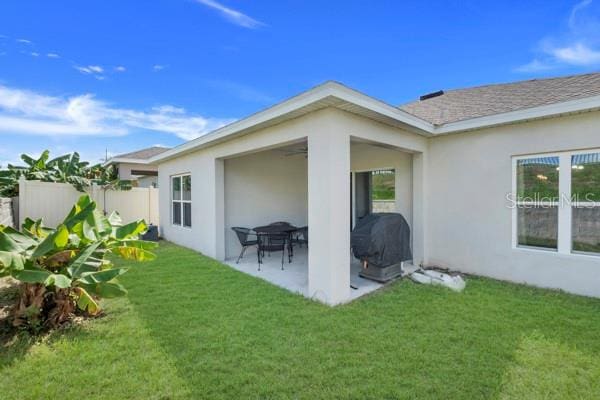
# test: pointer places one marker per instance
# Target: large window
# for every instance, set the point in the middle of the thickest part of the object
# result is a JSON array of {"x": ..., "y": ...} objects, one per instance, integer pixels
[
  {"x": 558, "y": 202},
  {"x": 181, "y": 200},
  {"x": 585, "y": 191},
  {"x": 537, "y": 202}
]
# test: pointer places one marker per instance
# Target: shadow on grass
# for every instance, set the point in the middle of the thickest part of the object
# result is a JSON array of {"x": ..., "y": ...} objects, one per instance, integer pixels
[{"x": 232, "y": 335}]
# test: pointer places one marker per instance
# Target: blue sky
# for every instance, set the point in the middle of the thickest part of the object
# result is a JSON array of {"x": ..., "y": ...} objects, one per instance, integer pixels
[{"x": 120, "y": 75}]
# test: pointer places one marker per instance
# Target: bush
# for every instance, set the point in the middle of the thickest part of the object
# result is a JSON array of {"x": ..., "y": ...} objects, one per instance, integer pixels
[{"x": 65, "y": 271}]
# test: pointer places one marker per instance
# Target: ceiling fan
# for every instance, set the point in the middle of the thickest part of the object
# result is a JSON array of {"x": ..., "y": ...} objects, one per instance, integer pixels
[{"x": 295, "y": 151}]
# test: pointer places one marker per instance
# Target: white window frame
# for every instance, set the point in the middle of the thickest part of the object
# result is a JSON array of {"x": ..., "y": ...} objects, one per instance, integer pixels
[
  {"x": 181, "y": 201},
  {"x": 353, "y": 194},
  {"x": 565, "y": 209}
]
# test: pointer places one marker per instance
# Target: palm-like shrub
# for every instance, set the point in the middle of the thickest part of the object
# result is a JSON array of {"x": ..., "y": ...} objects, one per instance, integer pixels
[
  {"x": 66, "y": 270},
  {"x": 64, "y": 169}
]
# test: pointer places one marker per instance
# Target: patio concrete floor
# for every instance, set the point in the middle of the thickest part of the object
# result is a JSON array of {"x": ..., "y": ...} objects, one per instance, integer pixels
[{"x": 294, "y": 276}]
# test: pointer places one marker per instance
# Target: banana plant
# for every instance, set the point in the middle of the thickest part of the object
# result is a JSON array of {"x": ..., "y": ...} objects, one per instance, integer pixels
[
  {"x": 67, "y": 268},
  {"x": 67, "y": 168}
]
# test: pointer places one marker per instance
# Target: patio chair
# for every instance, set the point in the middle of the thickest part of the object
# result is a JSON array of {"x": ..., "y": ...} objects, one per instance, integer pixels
[
  {"x": 270, "y": 242},
  {"x": 243, "y": 235},
  {"x": 301, "y": 236}
]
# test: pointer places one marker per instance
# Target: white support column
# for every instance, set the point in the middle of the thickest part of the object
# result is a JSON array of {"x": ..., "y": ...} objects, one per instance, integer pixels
[
  {"x": 419, "y": 208},
  {"x": 208, "y": 215},
  {"x": 329, "y": 215},
  {"x": 565, "y": 209},
  {"x": 219, "y": 209}
]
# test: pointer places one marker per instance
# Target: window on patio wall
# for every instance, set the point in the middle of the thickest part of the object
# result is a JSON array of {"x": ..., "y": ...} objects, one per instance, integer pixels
[
  {"x": 558, "y": 202},
  {"x": 181, "y": 200}
]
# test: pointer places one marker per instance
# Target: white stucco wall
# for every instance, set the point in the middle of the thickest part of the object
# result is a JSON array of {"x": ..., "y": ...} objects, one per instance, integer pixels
[
  {"x": 262, "y": 188},
  {"x": 469, "y": 226},
  {"x": 125, "y": 169}
]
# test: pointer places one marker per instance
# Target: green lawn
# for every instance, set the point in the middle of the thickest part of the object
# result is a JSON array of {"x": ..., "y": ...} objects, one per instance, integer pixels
[{"x": 193, "y": 328}]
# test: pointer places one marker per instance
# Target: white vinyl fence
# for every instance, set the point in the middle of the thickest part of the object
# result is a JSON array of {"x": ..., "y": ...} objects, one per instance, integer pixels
[{"x": 53, "y": 201}]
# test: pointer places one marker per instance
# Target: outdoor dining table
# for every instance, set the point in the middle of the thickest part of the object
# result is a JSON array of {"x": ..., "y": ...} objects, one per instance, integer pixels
[{"x": 280, "y": 230}]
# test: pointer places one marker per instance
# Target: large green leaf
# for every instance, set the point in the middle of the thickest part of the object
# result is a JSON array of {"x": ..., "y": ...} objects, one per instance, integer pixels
[
  {"x": 79, "y": 264},
  {"x": 11, "y": 262},
  {"x": 106, "y": 289},
  {"x": 88, "y": 230},
  {"x": 131, "y": 230},
  {"x": 55, "y": 241},
  {"x": 115, "y": 219},
  {"x": 85, "y": 302},
  {"x": 7, "y": 243},
  {"x": 32, "y": 275},
  {"x": 58, "y": 280},
  {"x": 80, "y": 211},
  {"x": 101, "y": 276}
]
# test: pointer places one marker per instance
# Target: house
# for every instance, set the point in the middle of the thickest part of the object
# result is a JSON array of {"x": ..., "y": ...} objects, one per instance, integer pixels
[
  {"x": 135, "y": 166},
  {"x": 478, "y": 173}
]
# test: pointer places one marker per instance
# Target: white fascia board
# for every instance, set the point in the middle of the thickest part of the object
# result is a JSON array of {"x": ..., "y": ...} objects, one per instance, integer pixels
[
  {"x": 550, "y": 110},
  {"x": 119, "y": 160},
  {"x": 328, "y": 89}
]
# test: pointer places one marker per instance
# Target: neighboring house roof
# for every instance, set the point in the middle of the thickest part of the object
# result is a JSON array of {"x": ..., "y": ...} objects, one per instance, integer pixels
[
  {"x": 463, "y": 104},
  {"x": 460, "y": 110},
  {"x": 139, "y": 156}
]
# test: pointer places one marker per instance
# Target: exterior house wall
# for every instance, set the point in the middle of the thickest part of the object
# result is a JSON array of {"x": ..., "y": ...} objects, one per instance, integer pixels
[
  {"x": 261, "y": 188},
  {"x": 469, "y": 226},
  {"x": 143, "y": 181}
]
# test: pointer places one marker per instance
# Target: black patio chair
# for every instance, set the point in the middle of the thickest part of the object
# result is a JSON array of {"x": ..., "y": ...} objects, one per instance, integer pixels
[
  {"x": 243, "y": 235},
  {"x": 301, "y": 236},
  {"x": 270, "y": 242}
]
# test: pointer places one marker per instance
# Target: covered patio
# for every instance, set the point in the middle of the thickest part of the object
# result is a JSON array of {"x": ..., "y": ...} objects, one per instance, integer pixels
[
  {"x": 273, "y": 184},
  {"x": 294, "y": 276}
]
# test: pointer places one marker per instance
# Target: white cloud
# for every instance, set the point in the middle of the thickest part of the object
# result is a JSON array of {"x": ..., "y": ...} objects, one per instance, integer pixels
[
  {"x": 24, "y": 41},
  {"x": 27, "y": 112},
  {"x": 52, "y": 55},
  {"x": 94, "y": 70},
  {"x": 120, "y": 68},
  {"x": 576, "y": 54},
  {"x": 233, "y": 16},
  {"x": 158, "y": 67},
  {"x": 34, "y": 54},
  {"x": 577, "y": 46}
]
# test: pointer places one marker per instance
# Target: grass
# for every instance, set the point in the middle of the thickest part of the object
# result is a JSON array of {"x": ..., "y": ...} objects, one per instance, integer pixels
[{"x": 193, "y": 328}]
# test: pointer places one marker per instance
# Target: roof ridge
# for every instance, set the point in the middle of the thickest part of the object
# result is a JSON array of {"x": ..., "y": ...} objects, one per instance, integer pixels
[{"x": 524, "y": 81}]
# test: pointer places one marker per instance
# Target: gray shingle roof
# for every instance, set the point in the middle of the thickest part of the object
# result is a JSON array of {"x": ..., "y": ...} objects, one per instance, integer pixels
[
  {"x": 462, "y": 104},
  {"x": 144, "y": 154}
]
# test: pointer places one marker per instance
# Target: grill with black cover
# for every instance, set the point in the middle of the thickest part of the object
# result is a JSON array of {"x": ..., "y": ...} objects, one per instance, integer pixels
[{"x": 381, "y": 241}]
